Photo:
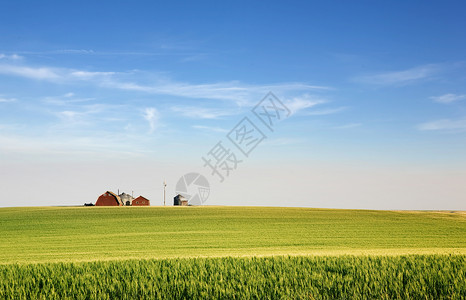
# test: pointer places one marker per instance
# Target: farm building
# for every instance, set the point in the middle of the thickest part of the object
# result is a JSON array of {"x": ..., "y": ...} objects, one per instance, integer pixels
[
  {"x": 108, "y": 199},
  {"x": 180, "y": 200},
  {"x": 140, "y": 201},
  {"x": 126, "y": 199}
]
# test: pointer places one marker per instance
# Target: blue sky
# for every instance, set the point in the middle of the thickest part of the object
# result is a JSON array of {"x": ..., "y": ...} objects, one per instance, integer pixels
[{"x": 376, "y": 90}]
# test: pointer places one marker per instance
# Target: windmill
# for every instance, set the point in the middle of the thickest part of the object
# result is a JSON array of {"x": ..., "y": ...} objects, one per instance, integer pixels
[{"x": 164, "y": 193}]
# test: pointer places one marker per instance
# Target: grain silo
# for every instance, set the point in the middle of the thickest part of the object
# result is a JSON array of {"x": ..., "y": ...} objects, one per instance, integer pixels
[{"x": 126, "y": 199}]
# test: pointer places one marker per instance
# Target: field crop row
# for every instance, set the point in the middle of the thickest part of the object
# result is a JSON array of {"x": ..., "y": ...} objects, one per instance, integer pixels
[
  {"x": 72, "y": 234},
  {"x": 302, "y": 277}
]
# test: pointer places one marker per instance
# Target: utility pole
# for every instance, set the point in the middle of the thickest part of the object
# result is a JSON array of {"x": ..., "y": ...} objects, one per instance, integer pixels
[{"x": 164, "y": 192}]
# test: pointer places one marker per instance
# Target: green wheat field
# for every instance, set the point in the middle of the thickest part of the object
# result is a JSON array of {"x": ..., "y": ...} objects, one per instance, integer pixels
[{"x": 230, "y": 253}]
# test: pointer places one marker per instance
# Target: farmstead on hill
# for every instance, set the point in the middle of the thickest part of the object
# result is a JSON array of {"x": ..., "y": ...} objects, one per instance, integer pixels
[{"x": 111, "y": 199}]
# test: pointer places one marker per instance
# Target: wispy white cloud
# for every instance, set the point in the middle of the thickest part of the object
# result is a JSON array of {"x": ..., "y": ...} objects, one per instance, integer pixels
[
  {"x": 10, "y": 57},
  {"x": 74, "y": 51},
  {"x": 295, "y": 105},
  {"x": 69, "y": 115},
  {"x": 210, "y": 128},
  {"x": 86, "y": 75},
  {"x": 444, "y": 125},
  {"x": 301, "y": 103},
  {"x": 58, "y": 51},
  {"x": 448, "y": 98},
  {"x": 163, "y": 51},
  {"x": 85, "y": 114},
  {"x": 66, "y": 99},
  {"x": 233, "y": 91},
  {"x": 202, "y": 112},
  {"x": 194, "y": 57},
  {"x": 75, "y": 117},
  {"x": 42, "y": 73},
  {"x": 152, "y": 116},
  {"x": 56, "y": 75},
  {"x": 401, "y": 77},
  {"x": 328, "y": 111},
  {"x": 6, "y": 100}
]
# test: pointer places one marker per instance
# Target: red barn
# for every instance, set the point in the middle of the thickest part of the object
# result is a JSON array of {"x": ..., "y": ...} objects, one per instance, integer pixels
[
  {"x": 108, "y": 199},
  {"x": 140, "y": 201}
]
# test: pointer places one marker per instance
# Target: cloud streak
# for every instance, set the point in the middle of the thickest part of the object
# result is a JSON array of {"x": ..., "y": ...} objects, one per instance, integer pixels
[
  {"x": 30, "y": 73},
  {"x": 233, "y": 91},
  {"x": 77, "y": 116},
  {"x": 448, "y": 98},
  {"x": 55, "y": 75},
  {"x": 202, "y": 113},
  {"x": 7, "y": 100},
  {"x": 10, "y": 57},
  {"x": 328, "y": 111},
  {"x": 402, "y": 77},
  {"x": 67, "y": 99},
  {"x": 444, "y": 125}
]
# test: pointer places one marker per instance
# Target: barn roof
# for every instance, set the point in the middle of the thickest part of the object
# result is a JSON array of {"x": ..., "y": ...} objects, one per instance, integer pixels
[
  {"x": 181, "y": 197},
  {"x": 115, "y": 196}
]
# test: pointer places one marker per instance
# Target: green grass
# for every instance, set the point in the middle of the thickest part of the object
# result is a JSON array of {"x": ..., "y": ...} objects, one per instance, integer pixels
[
  {"x": 344, "y": 277},
  {"x": 59, "y": 234},
  {"x": 196, "y": 252}
]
